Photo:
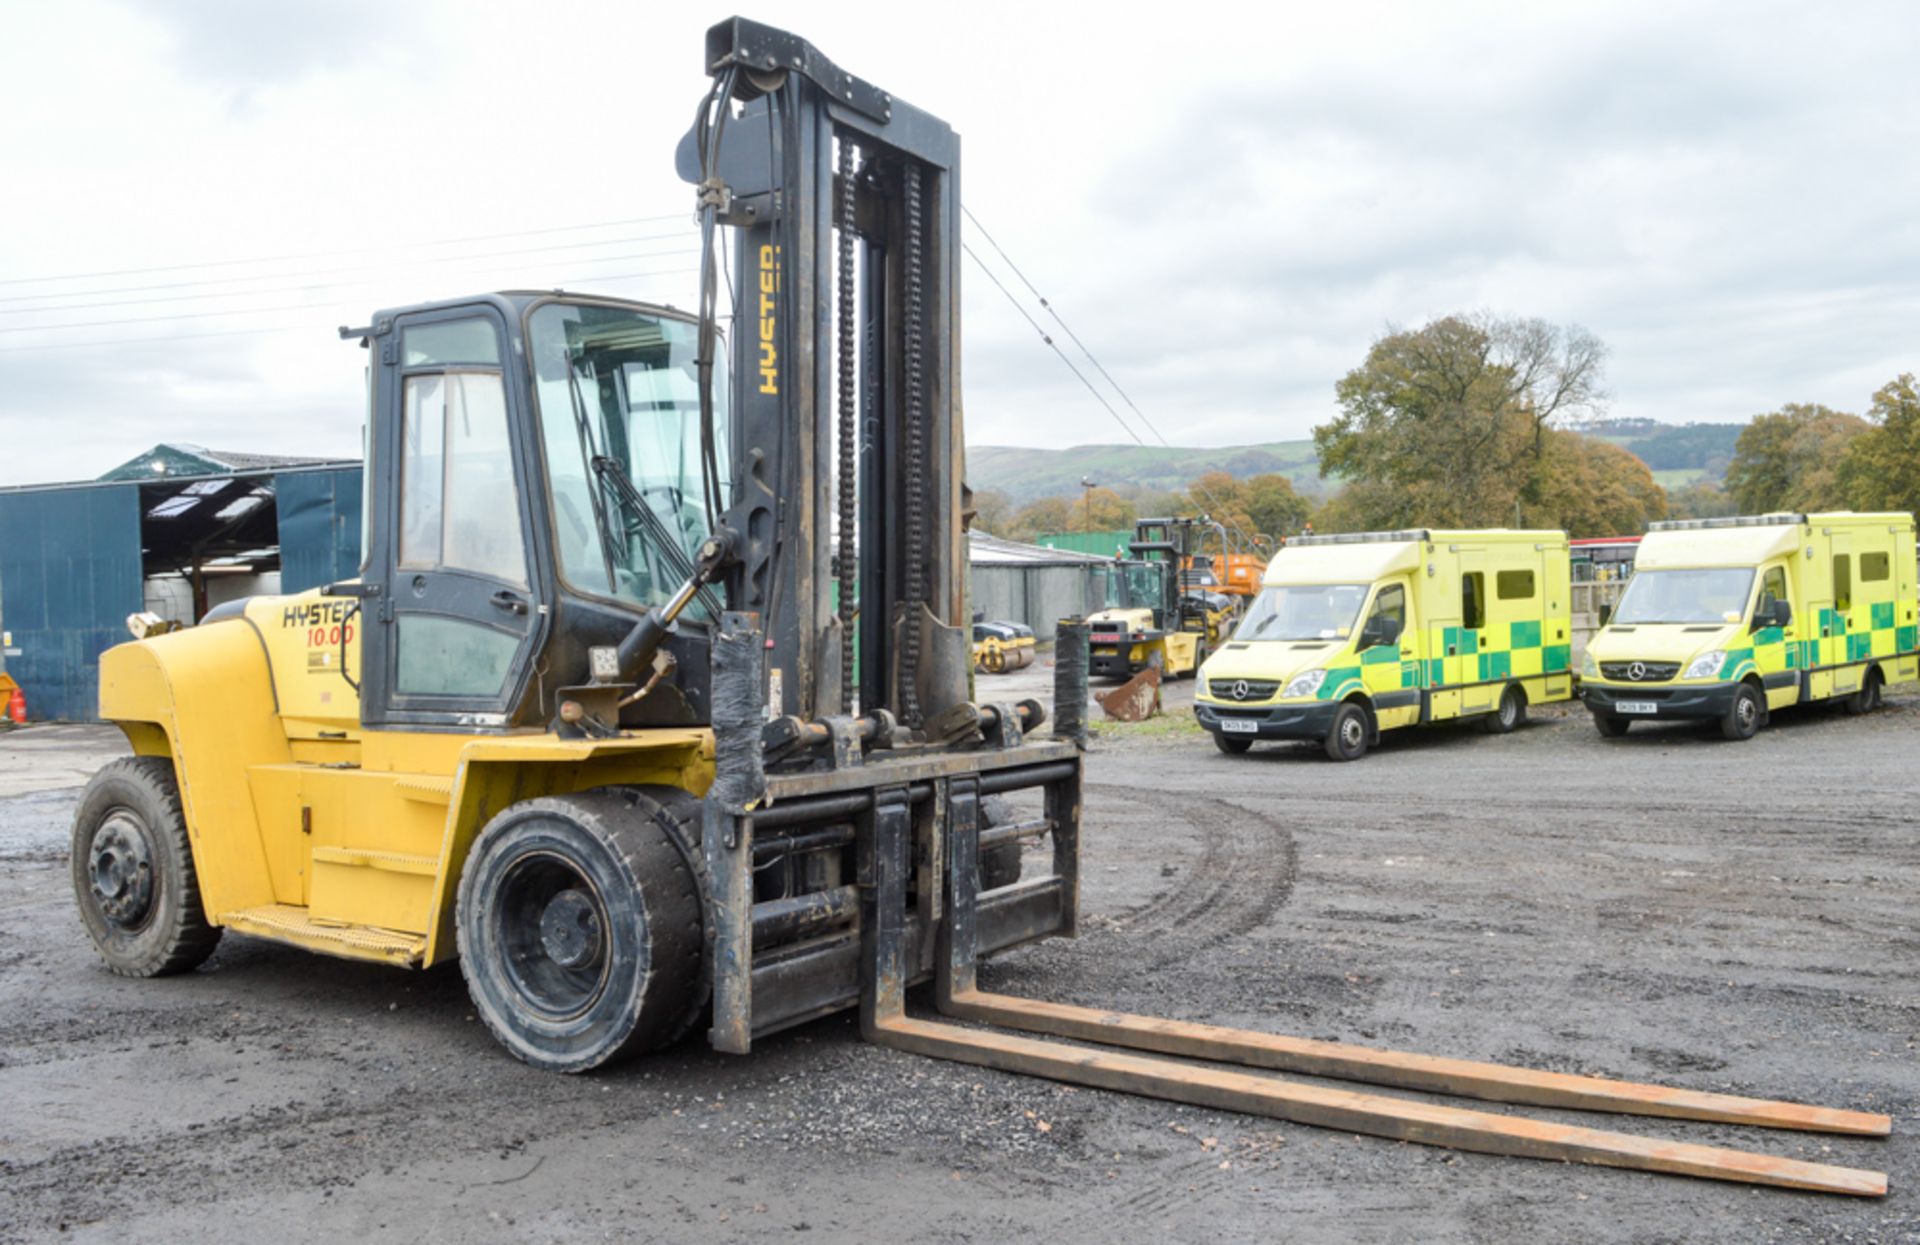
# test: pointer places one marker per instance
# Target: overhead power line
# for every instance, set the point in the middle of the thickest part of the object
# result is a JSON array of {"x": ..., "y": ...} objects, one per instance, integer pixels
[
  {"x": 361, "y": 250},
  {"x": 1199, "y": 489}
]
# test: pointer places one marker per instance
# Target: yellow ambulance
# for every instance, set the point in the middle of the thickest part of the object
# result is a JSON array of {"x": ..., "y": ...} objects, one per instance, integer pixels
[
  {"x": 1729, "y": 619},
  {"x": 1352, "y": 635}
]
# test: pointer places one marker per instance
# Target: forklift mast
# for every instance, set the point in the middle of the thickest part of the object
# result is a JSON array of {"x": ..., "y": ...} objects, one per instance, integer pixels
[{"x": 847, "y": 440}]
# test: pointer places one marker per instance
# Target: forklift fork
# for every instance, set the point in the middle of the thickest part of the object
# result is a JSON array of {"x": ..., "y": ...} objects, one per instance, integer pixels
[{"x": 886, "y": 842}]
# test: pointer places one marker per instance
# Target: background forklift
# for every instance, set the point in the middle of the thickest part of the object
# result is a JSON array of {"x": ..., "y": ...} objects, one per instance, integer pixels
[
  {"x": 1174, "y": 633},
  {"x": 589, "y": 720}
]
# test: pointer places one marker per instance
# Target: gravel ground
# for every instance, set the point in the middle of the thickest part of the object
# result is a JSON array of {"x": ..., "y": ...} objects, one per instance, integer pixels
[{"x": 1665, "y": 906}]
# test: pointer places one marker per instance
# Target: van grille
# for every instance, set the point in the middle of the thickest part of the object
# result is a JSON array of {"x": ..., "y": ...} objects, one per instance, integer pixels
[
  {"x": 1243, "y": 689},
  {"x": 1639, "y": 671}
]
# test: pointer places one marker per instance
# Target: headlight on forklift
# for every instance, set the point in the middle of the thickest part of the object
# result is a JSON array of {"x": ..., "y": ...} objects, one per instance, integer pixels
[
  {"x": 1705, "y": 666},
  {"x": 1589, "y": 668},
  {"x": 1304, "y": 684}
]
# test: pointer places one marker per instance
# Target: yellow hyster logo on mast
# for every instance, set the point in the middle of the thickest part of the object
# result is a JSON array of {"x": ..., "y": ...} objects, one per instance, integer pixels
[{"x": 769, "y": 286}]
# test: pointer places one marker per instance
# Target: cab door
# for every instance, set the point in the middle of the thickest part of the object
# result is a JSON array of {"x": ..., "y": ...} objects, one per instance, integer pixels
[
  {"x": 1387, "y": 650},
  {"x": 454, "y": 620},
  {"x": 1776, "y": 648}
]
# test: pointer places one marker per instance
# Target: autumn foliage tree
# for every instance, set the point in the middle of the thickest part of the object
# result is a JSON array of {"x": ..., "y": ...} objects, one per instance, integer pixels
[
  {"x": 1789, "y": 459},
  {"x": 1449, "y": 425},
  {"x": 1880, "y": 469}
]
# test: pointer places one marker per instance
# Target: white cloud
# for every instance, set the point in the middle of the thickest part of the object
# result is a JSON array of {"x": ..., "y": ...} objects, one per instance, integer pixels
[{"x": 1228, "y": 209}]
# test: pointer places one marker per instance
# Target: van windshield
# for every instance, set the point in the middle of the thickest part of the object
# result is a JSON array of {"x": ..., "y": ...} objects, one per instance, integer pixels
[
  {"x": 1704, "y": 595},
  {"x": 1303, "y": 612}
]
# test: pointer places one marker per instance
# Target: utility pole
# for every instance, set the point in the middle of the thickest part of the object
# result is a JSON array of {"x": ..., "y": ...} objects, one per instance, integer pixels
[{"x": 1086, "y": 482}]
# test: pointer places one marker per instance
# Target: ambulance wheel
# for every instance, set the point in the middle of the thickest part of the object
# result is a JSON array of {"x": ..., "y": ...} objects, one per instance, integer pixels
[
  {"x": 1511, "y": 713},
  {"x": 1745, "y": 715},
  {"x": 133, "y": 875},
  {"x": 1347, "y": 741},
  {"x": 580, "y": 927},
  {"x": 1611, "y": 725},
  {"x": 1867, "y": 699},
  {"x": 1232, "y": 745}
]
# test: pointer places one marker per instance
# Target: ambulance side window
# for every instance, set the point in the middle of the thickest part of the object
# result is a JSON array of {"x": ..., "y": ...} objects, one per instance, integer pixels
[
  {"x": 1514, "y": 585},
  {"x": 1473, "y": 601},
  {"x": 1874, "y": 567},
  {"x": 1390, "y": 604},
  {"x": 1843, "y": 582}
]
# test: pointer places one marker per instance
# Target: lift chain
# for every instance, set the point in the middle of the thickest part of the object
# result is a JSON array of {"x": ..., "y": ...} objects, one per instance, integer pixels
[
  {"x": 916, "y": 465},
  {"x": 844, "y": 350}
]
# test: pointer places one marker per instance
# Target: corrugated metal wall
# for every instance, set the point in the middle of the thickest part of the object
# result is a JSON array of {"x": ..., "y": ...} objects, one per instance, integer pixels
[
  {"x": 1038, "y": 596},
  {"x": 69, "y": 576},
  {"x": 319, "y": 517}
]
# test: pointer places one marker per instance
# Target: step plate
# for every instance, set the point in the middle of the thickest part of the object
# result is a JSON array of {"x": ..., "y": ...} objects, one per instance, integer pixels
[{"x": 293, "y": 924}]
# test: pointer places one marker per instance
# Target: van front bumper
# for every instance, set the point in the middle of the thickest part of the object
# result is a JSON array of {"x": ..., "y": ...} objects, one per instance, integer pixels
[
  {"x": 1297, "y": 721},
  {"x": 1670, "y": 701}
]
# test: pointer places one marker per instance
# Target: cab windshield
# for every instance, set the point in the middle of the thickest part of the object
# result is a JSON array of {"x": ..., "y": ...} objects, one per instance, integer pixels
[
  {"x": 619, "y": 396},
  {"x": 1303, "y": 612},
  {"x": 1705, "y": 595}
]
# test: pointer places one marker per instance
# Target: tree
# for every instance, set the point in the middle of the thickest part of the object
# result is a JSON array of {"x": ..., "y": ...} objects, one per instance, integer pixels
[
  {"x": 1880, "y": 468},
  {"x": 992, "y": 511},
  {"x": 1589, "y": 487},
  {"x": 1274, "y": 507},
  {"x": 1448, "y": 424},
  {"x": 1097, "y": 510},
  {"x": 1789, "y": 459},
  {"x": 1703, "y": 499}
]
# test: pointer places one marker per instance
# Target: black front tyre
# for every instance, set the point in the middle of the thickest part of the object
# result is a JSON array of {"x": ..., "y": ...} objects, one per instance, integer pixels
[
  {"x": 1511, "y": 714},
  {"x": 1232, "y": 745},
  {"x": 1611, "y": 725},
  {"x": 999, "y": 866},
  {"x": 133, "y": 874},
  {"x": 1746, "y": 715},
  {"x": 580, "y": 926},
  {"x": 1348, "y": 739}
]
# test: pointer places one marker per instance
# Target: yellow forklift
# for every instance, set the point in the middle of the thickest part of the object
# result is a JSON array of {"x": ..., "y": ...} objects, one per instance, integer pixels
[
  {"x": 589, "y": 720},
  {"x": 1178, "y": 622}
]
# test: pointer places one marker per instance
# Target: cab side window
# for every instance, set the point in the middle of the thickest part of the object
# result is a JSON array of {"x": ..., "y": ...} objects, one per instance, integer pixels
[
  {"x": 1389, "y": 607},
  {"x": 457, "y": 495},
  {"x": 1473, "y": 600},
  {"x": 1773, "y": 588}
]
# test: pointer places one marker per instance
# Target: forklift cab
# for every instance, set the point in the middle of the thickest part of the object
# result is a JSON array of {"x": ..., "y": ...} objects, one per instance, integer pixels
[{"x": 503, "y": 540}]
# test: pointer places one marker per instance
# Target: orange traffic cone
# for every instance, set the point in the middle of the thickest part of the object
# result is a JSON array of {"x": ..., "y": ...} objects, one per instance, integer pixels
[{"x": 17, "y": 707}]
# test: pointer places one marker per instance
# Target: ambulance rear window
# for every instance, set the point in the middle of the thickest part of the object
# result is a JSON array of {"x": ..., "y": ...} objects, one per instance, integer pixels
[
  {"x": 1514, "y": 585},
  {"x": 1874, "y": 567}
]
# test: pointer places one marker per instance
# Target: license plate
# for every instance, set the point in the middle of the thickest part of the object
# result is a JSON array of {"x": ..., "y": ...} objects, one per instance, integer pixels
[
  {"x": 1239, "y": 726},
  {"x": 1635, "y": 706}
]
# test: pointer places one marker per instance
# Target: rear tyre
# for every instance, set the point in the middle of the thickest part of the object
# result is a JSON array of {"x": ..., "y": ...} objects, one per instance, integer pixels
[
  {"x": 1511, "y": 713},
  {"x": 999, "y": 866},
  {"x": 581, "y": 933},
  {"x": 133, "y": 874},
  {"x": 1232, "y": 745},
  {"x": 1745, "y": 715},
  {"x": 1611, "y": 725},
  {"x": 1347, "y": 741},
  {"x": 1868, "y": 698}
]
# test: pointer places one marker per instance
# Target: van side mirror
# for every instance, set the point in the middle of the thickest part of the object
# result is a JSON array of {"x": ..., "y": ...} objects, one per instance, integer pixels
[
  {"x": 1606, "y": 612},
  {"x": 1380, "y": 631},
  {"x": 1773, "y": 612}
]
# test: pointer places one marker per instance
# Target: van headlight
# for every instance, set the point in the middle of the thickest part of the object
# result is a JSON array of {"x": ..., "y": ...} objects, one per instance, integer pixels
[
  {"x": 1705, "y": 666},
  {"x": 1304, "y": 684},
  {"x": 1589, "y": 668}
]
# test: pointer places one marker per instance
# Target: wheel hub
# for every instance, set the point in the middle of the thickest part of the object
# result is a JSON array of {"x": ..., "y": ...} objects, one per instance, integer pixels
[
  {"x": 120, "y": 870},
  {"x": 570, "y": 930},
  {"x": 1351, "y": 733}
]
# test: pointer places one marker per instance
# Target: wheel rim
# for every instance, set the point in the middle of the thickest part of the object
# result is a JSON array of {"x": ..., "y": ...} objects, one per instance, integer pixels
[
  {"x": 1509, "y": 709},
  {"x": 1747, "y": 712},
  {"x": 551, "y": 926},
  {"x": 1352, "y": 733},
  {"x": 120, "y": 870}
]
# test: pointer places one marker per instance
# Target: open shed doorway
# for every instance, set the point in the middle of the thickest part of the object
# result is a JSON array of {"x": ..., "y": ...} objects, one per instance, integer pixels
[{"x": 207, "y": 541}]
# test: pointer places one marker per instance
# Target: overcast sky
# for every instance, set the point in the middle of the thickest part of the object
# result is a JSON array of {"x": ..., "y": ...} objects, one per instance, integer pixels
[{"x": 1227, "y": 210}]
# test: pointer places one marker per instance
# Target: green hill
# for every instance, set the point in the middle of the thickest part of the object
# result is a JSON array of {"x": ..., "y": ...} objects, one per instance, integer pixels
[
  {"x": 1025, "y": 474},
  {"x": 1678, "y": 454}
]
